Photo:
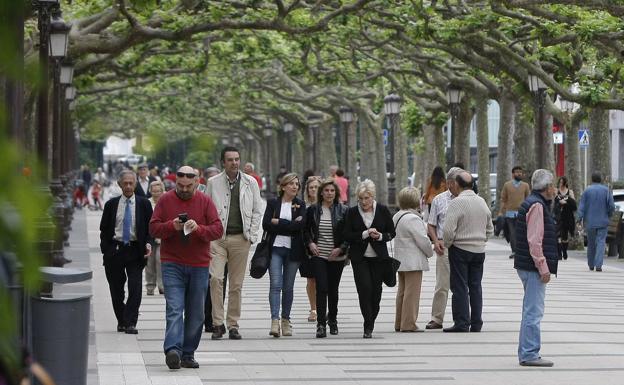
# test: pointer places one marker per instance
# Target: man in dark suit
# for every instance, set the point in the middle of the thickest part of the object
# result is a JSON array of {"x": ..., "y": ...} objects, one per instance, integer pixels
[
  {"x": 143, "y": 181},
  {"x": 124, "y": 242}
]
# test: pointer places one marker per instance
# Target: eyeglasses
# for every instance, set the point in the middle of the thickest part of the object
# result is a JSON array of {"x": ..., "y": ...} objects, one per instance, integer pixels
[{"x": 185, "y": 174}]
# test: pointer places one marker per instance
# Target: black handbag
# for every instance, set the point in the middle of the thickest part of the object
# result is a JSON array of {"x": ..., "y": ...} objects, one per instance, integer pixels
[
  {"x": 392, "y": 264},
  {"x": 261, "y": 258}
]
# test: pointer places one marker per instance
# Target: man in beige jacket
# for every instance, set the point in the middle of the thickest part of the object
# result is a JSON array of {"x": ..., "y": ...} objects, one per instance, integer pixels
[{"x": 237, "y": 198}]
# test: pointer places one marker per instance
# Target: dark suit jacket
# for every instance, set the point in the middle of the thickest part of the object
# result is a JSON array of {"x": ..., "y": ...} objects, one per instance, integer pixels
[
  {"x": 293, "y": 228},
  {"x": 138, "y": 190},
  {"x": 143, "y": 214},
  {"x": 354, "y": 227}
]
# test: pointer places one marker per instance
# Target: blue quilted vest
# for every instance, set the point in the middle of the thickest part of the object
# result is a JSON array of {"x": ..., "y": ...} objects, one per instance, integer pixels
[{"x": 523, "y": 259}]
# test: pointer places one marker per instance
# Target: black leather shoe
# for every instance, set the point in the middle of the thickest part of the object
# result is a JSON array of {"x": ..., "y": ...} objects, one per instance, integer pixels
[
  {"x": 121, "y": 328},
  {"x": 599, "y": 269},
  {"x": 455, "y": 329},
  {"x": 218, "y": 332},
  {"x": 131, "y": 330},
  {"x": 209, "y": 329},
  {"x": 172, "y": 359},
  {"x": 368, "y": 334},
  {"x": 433, "y": 325},
  {"x": 189, "y": 363},
  {"x": 475, "y": 330},
  {"x": 321, "y": 331},
  {"x": 234, "y": 334},
  {"x": 333, "y": 327}
]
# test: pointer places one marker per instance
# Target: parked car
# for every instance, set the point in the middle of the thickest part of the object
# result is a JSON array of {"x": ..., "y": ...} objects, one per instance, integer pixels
[{"x": 616, "y": 238}]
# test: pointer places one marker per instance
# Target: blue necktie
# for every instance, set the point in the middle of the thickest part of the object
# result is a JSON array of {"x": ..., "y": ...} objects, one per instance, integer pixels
[{"x": 127, "y": 222}]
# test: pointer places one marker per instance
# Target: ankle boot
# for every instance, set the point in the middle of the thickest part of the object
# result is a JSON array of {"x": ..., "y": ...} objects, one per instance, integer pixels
[
  {"x": 333, "y": 327},
  {"x": 564, "y": 248},
  {"x": 321, "y": 331},
  {"x": 559, "y": 251},
  {"x": 286, "y": 328},
  {"x": 275, "y": 328}
]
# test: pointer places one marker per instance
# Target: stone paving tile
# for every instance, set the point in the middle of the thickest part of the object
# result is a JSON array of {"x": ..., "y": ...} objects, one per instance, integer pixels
[{"x": 581, "y": 332}]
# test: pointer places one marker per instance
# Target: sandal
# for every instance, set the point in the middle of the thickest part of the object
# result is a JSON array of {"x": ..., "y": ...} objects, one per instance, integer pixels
[{"x": 312, "y": 316}]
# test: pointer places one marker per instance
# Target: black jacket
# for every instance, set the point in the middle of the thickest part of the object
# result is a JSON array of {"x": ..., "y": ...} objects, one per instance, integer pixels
[
  {"x": 313, "y": 219},
  {"x": 293, "y": 228},
  {"x": 138, "y": 190},
  {"x": 354, "y": 227},
  {"x": 143, "y": 214}
]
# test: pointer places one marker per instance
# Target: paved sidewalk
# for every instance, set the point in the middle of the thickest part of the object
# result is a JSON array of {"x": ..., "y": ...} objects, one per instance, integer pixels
[{"x": 583, "y": 332}]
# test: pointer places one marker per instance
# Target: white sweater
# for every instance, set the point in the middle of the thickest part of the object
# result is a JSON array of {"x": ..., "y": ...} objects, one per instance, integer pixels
[
  {"x": 411, "y": 245},
  {"x": 468, "y": 223}
]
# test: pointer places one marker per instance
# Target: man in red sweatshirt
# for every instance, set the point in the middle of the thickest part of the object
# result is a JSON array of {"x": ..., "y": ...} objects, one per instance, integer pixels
[{"x": 186, "y": 222}]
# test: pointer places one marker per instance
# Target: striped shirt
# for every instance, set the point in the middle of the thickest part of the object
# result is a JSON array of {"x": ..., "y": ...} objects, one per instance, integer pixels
[{"x": 326, "y": 234}]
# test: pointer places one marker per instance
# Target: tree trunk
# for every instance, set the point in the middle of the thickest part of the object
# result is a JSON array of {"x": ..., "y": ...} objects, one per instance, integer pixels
[
  {"x": 428, "y": 154},
  {"x": 524, "y": 143},
  {"x": 599, "y": 143},
  {"x": 298, "y": 152},
  {"x": 440, "y": 148},
  {"x": 462, "y": 135},
  {"x": 573, "y": 159},
  {"x": 549, "y": 155},
  {"x": 505, "y": 143},
  {"x": 327, "y": 148},
  {"x": 400, "y": 157},
  {"x": 483, "y": 149},
  {"x": 351, "y": 167},
  {"x": 308, "y": 149}
]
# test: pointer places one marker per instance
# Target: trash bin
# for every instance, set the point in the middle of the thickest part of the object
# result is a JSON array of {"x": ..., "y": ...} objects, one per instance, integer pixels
[{"x": 60, "y": 328}]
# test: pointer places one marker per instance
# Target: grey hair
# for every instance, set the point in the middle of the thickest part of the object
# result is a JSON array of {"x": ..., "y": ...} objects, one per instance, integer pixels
[
  {"x": 156, "y": 183},
  {"x": 366, "y": 186},
  {"x": 251, "y": 165},
  {"x": 541, "y": 179},
  {"x": 453, "y": 172},
  {"x": 124, "y": 173}
]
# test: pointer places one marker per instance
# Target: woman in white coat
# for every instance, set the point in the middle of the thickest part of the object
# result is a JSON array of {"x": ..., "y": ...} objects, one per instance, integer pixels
[{"x": 412, "y": 247}]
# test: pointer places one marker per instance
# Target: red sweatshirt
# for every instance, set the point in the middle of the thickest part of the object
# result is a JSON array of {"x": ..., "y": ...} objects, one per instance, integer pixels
[{"x": 196, "y": 250}]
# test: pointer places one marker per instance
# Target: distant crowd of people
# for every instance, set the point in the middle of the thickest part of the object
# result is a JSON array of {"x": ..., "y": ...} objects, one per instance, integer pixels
[{"x": 194, "y": 237}]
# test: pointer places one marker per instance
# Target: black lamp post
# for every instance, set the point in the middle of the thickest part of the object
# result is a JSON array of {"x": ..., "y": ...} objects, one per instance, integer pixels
[
  {"x": 392, "y": 108},
  {"x": 288, "y": 129},
  {"x": 346, "y": 118},
  {"x": 454, "y": 96},
  {"x": 268, "y": 132},
  {"x": 538, "y": 88}
]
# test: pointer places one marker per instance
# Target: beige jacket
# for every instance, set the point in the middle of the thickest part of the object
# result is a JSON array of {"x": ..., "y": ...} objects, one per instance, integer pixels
[
  {"x": 218, "y": 189},
  {"x": 411, "y": 245}
]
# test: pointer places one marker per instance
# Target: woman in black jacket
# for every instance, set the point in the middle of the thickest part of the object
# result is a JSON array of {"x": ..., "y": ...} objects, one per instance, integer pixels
[
  {"x": 368, "y": 229},
  {"x": 323, "y": 236},
  {"x": 284, "y": 219},
  {"x": 564, "y": 209}
]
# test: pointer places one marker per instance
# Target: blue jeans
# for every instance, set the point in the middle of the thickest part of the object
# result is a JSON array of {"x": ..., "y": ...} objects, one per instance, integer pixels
[
  {"x": 282, "y": 273},
  {"x": 596, "y": 243},
  {"x": 185, "y": 294},
  {"x": 532, "y": 313}
]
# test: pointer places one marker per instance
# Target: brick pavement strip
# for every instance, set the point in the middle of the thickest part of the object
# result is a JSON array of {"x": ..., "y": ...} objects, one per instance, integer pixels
[{"x": 582, "y": 333}]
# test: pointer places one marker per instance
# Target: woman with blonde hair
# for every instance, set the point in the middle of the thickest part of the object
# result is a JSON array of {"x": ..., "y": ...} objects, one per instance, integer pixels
[
  {"x": 323, "y": 236},
  {"x": 368, "y": 229},
  {"x": 412, "y": 247},
  {"x": 284, "y": 219},
  {"x": 310, "y": 196}
]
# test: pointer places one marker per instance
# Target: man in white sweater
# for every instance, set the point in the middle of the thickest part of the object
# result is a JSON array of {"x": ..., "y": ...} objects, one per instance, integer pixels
[{"x": 466, "y": 230}]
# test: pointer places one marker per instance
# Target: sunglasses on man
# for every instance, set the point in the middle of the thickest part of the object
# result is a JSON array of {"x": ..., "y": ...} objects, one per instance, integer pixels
[{"x": 185, "y": 175}]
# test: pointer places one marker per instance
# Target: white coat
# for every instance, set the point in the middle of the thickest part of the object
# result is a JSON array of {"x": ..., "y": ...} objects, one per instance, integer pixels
[{"x": 411, "y": 245}]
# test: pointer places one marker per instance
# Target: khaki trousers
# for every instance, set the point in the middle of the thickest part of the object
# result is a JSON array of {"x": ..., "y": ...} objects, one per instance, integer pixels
[
  {"x": 408, "y": 300},
  {"x": 443, "y": 284},
  {"x": 233, "y": 250},
  {"x": 153, "y": 272}
]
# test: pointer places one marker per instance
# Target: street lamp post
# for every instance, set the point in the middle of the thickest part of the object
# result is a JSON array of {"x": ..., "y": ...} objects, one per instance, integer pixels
[
  {"x": 288, "y": 128},
  {"x": 538, "y": 88},
  {"x": 454, "y": 96},
  {"x": 392, "y": 108},
  {"x": 346, "y": 118},
  {"x": 268, "y": 132},
  {"x": 314, "y": 125}
]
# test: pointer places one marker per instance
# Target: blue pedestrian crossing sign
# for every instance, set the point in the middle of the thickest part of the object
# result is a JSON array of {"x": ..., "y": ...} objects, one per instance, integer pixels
[
  {"x": 385, "y": 137},
  {"x": 583, "y": 138}
]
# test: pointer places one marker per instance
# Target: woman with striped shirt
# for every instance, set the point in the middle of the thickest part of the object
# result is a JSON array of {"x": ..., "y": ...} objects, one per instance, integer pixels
[{"x": 323, "y": 235}]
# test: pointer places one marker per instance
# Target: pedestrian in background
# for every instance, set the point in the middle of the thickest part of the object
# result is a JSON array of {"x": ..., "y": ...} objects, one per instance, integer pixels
[
  {"x": 595, "y": 209},
  {"x": 412, "y": 248},
  {"x": 435, "y": 186},
  {"x": 209, "y": 172},
  {"x": 125, "y": 245},
  {"x": 237, "y": 198},
  {"x": 435, "y": 229},
  {"x": 368, "y": 229},
  {"x": 310, "y": 197},
  {"x": 514, "y": 192},
  {"x": 186, "y": 222},
  {"x": 564, "y": 209},
  {"x": 323, "y": 237},
  {"x": 284, "y": 220},
  {"x": 466, "y": 230},
  {"x": 153, "y": 272},
  {"x": 535, "y": 260},
  {"x": 343, "y": 185}
]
